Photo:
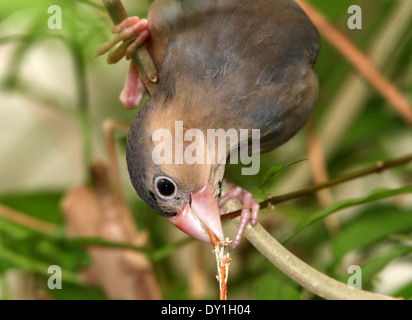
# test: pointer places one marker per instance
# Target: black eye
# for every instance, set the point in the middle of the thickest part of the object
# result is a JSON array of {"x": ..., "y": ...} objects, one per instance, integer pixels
[{"x": 165, "y": 187}]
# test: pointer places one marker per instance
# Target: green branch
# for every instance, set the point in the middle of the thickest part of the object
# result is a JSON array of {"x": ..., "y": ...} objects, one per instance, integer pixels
[{"x": 308, "y": 277}]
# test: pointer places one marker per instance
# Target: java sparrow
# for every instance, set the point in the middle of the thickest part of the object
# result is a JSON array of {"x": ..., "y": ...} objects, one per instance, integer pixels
[{"x": 223, "y": 64}]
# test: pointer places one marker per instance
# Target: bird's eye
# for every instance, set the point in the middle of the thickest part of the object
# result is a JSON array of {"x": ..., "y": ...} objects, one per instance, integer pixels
[{"x": 165, "y": 187}]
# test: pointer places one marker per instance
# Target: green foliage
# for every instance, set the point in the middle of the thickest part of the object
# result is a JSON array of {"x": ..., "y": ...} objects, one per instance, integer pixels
[
  {"x": 405, "y": 292},
  {"x": 382, "y": 218},
  {"x": 273, "y": 172},
  {"x": 275, "y": 286},
  {"x": 33, "y": 251},
  {"x": 374, "y": 196},
  {"x": 373, "y": 266},
  {"x": 72, "y": 291},
  {"x": 43, "y": 205},
  {"x": 372, "y": 225}
]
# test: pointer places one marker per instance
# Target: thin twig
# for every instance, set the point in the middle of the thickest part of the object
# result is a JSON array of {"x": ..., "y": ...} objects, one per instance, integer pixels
[
  {"x": 319, "y": 170},
  {"x": 376, "y": 168},
  {"x": 223, "y": 261},
  {"x": 213, "y": 238}
]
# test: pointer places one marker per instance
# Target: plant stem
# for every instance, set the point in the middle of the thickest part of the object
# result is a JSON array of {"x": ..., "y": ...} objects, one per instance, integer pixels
[
  {"x": 83, "y": 108},
  {"x": 376, "y": 168},
  {"x": 299, "y": 271},
  {"x": 222, "y": 261},
  {"x": 26, "y": 220},
  {"x": 36, "y": 266}
]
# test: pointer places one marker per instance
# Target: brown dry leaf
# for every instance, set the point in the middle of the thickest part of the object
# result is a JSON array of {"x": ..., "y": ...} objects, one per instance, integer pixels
[{"x": 122, "y": 273}]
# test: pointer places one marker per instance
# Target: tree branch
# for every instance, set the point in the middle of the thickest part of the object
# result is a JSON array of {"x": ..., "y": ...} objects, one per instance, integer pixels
[
  {"x": 302, "y": 273},
  {"x": 376, "y": 168}
]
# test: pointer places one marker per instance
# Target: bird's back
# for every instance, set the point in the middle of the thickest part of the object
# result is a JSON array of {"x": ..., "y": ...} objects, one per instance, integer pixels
[{"x": 249, "y": 61}]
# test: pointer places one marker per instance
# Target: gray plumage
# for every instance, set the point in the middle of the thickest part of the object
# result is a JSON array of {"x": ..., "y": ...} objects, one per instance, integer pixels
[{"x": 223, "y": 64}]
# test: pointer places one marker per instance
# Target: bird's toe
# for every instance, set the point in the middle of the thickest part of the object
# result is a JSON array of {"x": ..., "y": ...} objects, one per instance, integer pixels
[
  {"x": 249, "y": 213},
  {"x": 133, "y": 31}
]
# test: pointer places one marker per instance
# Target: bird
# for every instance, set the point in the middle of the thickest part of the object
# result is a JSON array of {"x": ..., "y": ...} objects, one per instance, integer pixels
[{"x": 222, "y": 64}]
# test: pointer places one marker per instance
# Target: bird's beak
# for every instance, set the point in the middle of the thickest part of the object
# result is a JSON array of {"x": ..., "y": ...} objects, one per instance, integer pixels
[{"x": 201, "y": 215}]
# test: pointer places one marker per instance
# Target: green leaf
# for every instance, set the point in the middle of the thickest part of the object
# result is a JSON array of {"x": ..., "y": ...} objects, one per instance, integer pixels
[
  {"x": 168, "y": 250},
  {"x": 100, "y": 242},
  {"x": 34, "y": 246},
  {"x": 29, "y": 264},
  {"x": 14, "y": 230},
  {"x": 374, "y": 196},
  {"x": 275, "y": 287},
  {"x": 275, "y": 171},
  {"x": 73, "y": 291},
  {"x": 373, "y": 266},
  {"x": 405, "y": 292},
  {"x": 153, "y": 254},
  {"x": 403, "y": 238},
  {"x": 43, "y": 205},
  {"x": 371, "y": 226}
]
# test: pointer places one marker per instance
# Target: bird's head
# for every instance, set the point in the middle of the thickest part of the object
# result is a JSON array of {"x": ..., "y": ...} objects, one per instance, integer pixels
[{"x": 185, "y": 193}]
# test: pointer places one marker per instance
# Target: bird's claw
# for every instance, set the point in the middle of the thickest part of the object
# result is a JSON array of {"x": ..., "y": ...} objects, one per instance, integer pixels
[
  {"x": 133, "y": 31},
  {"x": 250, "y": 210}
]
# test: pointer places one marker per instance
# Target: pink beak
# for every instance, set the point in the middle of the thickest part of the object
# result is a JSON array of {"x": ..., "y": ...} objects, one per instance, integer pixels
[{"x": 203, "y": 214}]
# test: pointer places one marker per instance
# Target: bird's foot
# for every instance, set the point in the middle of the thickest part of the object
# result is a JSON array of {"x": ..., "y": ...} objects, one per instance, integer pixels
[
  {"x": 250, "y": 210},
  {"x": 133, "y": 89},
  {"x": 133, "y": 31}
]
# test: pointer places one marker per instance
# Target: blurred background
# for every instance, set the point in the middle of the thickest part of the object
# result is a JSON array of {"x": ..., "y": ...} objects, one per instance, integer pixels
[{"x": 61, "y": 203}]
